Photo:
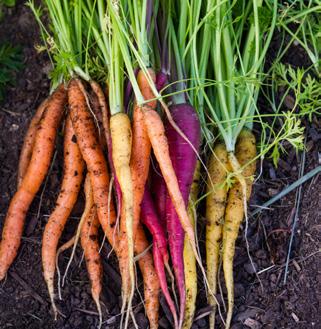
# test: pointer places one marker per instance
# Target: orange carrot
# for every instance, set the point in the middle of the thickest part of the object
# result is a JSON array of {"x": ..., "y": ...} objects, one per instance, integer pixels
[
  {"x": 140, "y": 159},
  {"x": 105, "y": 122},
  {"x": 92, "y": 153},
  {"x": 90, "y": 245},
  {"x": 70, "y": 187},
  {"x": 103, "y": 108},
  {"x": 28, "y": 143},
  {"x": 150, "y": 278},
  {"x": 36, "y": 172}
]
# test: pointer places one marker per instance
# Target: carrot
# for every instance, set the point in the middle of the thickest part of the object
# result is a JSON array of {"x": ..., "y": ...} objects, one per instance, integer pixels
[
  {"x": 90, "y": 245},
  {"x": 189, "y": 258},
  {"x": 151, "y": 282},
  {"x": 156, "y": 134},
  {"x": 159, "y": 194},
  {"x": 28, "y": 143},
  {"x": 139, "y": 164},
  {"x": 140, "y": 159},
  {"x": 105, "y": 121},
  {"x": 36, "y": 172},
  {"x": 97, "y": 167},
  {"x": 150, "y": 219},
  {"x": 70, "y": 187},
  {"x": 239, "y": 194},
  {"x": 92, "y": 153},
  {"x": 215, "y": 208},
  {"x": 121, "y": 137},
  {"x": 103, "y": 108},
  {"x": 184, "y": 161}
]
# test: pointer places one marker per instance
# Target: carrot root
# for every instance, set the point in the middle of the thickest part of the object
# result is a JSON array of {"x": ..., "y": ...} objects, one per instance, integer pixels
[
  {"x": 90, "y": 245},
  {"x": 72, "y": 178},
  {"x": 215, "y": 209},
  {"x": 150, "y": 278},
  {"x": 189, "y": 258},
  {"x": 121, "y": 136},
  {"x": 29, "y": 141},
  {"x": 236, "y": 207},
  {"x": 38, "y": 167},
  {"x": 92, "y": 153}
]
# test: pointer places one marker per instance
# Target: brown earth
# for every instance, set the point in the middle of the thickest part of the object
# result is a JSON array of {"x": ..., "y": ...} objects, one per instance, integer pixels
[{"x": 262, "y": 301}]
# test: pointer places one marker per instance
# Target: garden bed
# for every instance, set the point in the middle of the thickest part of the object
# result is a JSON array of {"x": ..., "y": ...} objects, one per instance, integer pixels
[{"x": 261, "y": 301}]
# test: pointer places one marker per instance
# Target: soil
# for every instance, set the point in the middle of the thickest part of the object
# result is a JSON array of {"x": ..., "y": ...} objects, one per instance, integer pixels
[{"x": 262, "y": 300}]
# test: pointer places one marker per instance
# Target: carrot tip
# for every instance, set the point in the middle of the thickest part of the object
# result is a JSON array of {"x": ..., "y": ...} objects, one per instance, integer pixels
[
  {"x": 2, "y": 275},
  {"x": 96, "y": 300}
]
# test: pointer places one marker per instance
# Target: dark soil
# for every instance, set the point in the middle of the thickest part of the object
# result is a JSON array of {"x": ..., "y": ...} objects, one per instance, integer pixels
[{"x": 262, "y": 301}]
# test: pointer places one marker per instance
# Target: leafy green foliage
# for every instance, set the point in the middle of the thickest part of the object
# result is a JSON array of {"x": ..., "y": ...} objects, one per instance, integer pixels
[
  {"x": 63, "y": 38},
  {"x": 7, "y": 3},
  {"x": 10, "y": 61},
  {"x": 305, "y": 88},
  {"x": 292, "y": 132},
  {"x": 301, "y": 20}
]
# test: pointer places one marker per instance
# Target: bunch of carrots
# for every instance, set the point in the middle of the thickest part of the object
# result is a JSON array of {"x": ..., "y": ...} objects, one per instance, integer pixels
[{"x": 138, "y": 88}]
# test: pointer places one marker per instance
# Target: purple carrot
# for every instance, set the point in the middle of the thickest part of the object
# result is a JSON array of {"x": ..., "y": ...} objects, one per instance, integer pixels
[
  {"x": 159, "y": 194},
  {"x": 128, "y": 92},
  {"x": 159, "y": 267},
  {"x": 161, "y": 80},
  {"x": 184, "y": 162},
  {"x": 150, "y": 219}
]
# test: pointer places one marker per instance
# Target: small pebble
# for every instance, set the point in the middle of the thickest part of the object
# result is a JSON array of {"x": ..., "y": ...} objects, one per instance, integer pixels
[
  {"x": 253, "y": 324},
  {"x": 273, "y": 278},
  {"x": 14, "y": 127}
]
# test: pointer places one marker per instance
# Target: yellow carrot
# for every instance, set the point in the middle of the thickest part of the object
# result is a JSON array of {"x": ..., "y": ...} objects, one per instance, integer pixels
[
  {"x": 121, "y": 137},
  {"x": 238, "y": 196},
  {"x": 189, "y": 257},
  {"x": 215, "y": 208}
]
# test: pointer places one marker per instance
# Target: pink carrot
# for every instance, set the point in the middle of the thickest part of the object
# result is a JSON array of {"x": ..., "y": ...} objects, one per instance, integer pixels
[{"x": 150, "y": 219}]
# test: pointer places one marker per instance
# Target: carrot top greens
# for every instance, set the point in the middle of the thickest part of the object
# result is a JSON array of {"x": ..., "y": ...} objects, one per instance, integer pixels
[
  {"x": 238, "y": 34},
  {"x": 63, "y": 39}
]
